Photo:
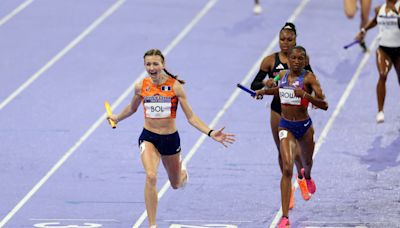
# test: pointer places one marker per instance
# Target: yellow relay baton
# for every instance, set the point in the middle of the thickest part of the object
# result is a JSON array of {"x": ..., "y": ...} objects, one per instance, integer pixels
[{"x": 109, "y": 113}]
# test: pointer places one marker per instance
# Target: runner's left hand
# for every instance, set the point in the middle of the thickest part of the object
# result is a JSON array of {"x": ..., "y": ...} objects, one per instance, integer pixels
[{"x": 220, "y": 136}]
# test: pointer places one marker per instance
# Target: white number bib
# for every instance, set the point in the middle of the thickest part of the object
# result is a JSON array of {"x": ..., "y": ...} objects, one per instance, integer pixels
[
  {"x": 287, "y": 97},
  {"x": 158, "y": 110},
  {"x": 157, "y": 107}
]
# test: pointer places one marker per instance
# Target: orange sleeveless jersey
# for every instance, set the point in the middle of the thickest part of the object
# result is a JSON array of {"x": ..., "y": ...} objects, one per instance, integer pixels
[{"x": 159, "y": 101}]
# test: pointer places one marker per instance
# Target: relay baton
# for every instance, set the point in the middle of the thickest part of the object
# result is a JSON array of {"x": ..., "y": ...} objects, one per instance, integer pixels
[
  {"x": 277, "y": 77},
  {"x": 251, "y": 92},
  {"x": 351, "y": 44},
  {"x": 109, "y": 113}
]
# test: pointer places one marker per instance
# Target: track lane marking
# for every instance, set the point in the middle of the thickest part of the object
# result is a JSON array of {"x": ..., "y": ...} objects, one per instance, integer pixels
[
  {"x": 15, "y": 12},
  {"x": 62, "y": 53}
]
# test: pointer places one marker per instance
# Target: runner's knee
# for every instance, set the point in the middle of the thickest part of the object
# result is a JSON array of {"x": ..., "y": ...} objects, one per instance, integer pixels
[
  {"x": 287, "y": 171},
  {"x": 151, "y": 178}
]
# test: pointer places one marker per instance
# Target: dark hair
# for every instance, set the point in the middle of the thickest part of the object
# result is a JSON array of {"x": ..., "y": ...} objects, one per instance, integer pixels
[
  {"x": 152, "y": 52},
  {"x": 289, "y": 26},
  {"x": 301, "y": 48}
]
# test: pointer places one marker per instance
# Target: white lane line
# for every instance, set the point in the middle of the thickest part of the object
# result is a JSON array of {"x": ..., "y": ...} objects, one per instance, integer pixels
[
  {"x": 207, "y": 221},
  {"x": 63, "y": 52},
  {"x": 335, "y": 113},
  {"x": 102, "y": 118},
  {"x": 69, "y": 219},
  {"x": 15, "y": 12},
  {"x": 222, "y": 111}
]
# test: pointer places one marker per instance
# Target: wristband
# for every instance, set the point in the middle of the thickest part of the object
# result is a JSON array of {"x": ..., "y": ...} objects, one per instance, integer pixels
[
  {"x": 209, "y": 133},
  {"x": 363, "y": 30}
]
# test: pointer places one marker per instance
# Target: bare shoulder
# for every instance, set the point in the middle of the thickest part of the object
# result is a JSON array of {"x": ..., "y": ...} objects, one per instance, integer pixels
[
  {"x": 138, "y": 87},
  {"x": 310, "y": 77},
  {"x": 178, "y": 88},
  {"x": 268, "y": 62}
]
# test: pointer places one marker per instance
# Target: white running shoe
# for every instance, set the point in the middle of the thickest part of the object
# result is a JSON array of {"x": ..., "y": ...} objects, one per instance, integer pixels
[
  {"x": 257, "y": 9},
  {"x": 380, "y": 117}
]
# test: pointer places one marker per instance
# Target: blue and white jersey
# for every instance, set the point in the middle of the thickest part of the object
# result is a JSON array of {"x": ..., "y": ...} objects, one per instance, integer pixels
[
  {"x": 388, "y": 23},
  {"x": 286, "y": 90}
]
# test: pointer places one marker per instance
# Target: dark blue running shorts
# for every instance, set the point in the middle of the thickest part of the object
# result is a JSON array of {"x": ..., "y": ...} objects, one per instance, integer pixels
[
  {"x": 165, "y": 144},
  {"x": 297, "y": 128}
]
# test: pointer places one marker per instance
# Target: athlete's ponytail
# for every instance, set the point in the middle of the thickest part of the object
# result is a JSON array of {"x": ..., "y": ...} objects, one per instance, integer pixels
[
  {"x": 174, "y": 76},
  {"x": 152, "y": 52}
]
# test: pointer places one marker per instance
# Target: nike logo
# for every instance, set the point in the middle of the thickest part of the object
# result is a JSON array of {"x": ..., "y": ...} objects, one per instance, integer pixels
[{"x": 306, "y": 124}]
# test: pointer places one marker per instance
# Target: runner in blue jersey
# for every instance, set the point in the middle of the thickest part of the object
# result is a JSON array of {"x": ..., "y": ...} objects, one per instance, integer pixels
[
  {"x": 295, "y": 126},
  {"x": 271, "y": 66}
]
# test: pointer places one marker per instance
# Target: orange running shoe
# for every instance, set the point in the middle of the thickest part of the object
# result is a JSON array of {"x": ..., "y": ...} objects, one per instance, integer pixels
[
  {"x": 303, "y": 188},
  {"x": 291, "y": 202},
  {"x": 284, "y": 223}
]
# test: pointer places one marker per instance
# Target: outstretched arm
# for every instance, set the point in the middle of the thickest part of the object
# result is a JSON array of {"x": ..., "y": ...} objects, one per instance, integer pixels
[
  {"x": 265, "y": 67},
  {"x": 272, "y": 85},
  {"x": 269, "y": 91},
  {"x": 195, "y": 121},
  {"x": 131, "y": 107}
]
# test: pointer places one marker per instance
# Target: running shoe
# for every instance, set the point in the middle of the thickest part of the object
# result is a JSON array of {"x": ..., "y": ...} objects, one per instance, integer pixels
[
  {"x": 257, "y": 9},
  {"x": 310, "y": 183},
  {"x": 291, "y": 202},
  {"x": 311, "y": 186},
  {"x": 380, "y": 117},
  {"x": 303, "y": 188},
  {"x": 284, "y": 223}
]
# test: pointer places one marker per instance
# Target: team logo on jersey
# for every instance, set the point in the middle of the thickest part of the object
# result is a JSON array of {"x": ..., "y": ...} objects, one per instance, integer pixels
[
  {"x": 280, "y": 67},
  {"x": 296, "y": 83},
  {"x": 165, "y": 88},
  {"x": 156, "y": 98}
]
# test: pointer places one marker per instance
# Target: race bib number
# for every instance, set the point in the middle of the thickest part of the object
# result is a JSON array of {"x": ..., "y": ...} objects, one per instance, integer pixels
[
  {"x": 158, "y": 110},
  {"x": 287, "y": 97}
]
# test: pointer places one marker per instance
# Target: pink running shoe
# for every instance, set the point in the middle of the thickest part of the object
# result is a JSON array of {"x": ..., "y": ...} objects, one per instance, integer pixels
[
  {"x": 310, "y": 183},
  {"x": 311, "y": 186},
  {"x": 284, "y": 223}
]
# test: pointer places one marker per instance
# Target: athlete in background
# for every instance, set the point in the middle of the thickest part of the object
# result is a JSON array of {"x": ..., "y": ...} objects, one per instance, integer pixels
[{"x": 387, "y": 17}]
